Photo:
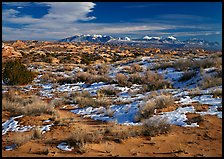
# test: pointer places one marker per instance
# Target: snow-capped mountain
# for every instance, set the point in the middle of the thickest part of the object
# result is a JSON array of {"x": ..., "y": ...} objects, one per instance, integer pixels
[
  {"x": 150, "y": 38},
  {"x": 153, "y": 41},
  {"x": 87, "y": 38}
]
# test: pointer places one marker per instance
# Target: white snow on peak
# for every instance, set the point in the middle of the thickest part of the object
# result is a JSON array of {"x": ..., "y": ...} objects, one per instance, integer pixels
[
  {"x": 171, "y": 37},
  {"x": 147, "y": 37},
  {"x": 96, "y": 36},
  {"x": 127, "y": 38},
  {"x": 156, "y": 37},
  {"x": 153, "y": 37}
]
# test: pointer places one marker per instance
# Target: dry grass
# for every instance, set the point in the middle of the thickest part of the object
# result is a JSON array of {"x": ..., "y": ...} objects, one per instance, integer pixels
[
  {"x": 19, "y": 106},
  {"x": 196, "y": 119},
  {"x": 209, "y": 81},
  {"x": 136, "y": 68},
  {"x": 164, "y": 101},
  {"x": 155, "y": 126},
  {"x": 147, "y": 111},
  {"x": 187, "y": 75},
  {"x": 122, "y": 79},
  {"x": 80, "y": 135},
  {"x": 108, "y": 91},
  {"x": 217, "y": 93},
  {"x": 84, "y": 99}
]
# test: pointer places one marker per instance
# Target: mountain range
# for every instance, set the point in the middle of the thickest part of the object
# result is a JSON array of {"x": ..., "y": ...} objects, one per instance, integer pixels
[{"x": 167, "y": 42}]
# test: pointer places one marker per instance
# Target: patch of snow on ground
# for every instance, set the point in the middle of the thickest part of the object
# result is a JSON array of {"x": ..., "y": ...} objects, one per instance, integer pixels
[
  {"x": 65, "y": 147},
  {"x": 46, "y": 128},
  {"x": 10, "y": 148},
  {"x": 178, "y": 116},
  {"x": 12, "y": 125},
  {"x": 208, "y": 99},
  {"x": 122, "y": 114}
]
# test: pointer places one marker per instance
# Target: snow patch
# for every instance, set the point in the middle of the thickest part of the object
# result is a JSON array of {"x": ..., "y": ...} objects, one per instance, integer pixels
[{"x": 65, "y": 147}]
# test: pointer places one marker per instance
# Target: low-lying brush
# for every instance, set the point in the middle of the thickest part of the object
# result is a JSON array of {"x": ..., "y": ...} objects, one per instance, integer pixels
[
  {"x": 108, "y": 91},
  {"x": 80, "y": 135},
  {"x": 187, "y": 75},
  {"x": 20, "y": 106},
  {"x": 217, "y": 93},
  {"x": 155, "y": 126},
  {"x": 122, "y": 80},
  {"x": 147, "y": 111},
  {"x": 209, "y": 81},
  {"x": 85, "y": 99}
]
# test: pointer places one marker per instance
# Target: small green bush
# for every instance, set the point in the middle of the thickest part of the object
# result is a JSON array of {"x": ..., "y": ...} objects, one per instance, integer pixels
[{"x": 15, "y": 73}]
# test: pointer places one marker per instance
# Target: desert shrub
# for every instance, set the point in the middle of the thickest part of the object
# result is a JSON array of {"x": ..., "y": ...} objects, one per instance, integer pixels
[
  {"x": 196, "y": 119},
  {"x": 103, "y": 69},
  {"x": 135, "y": 78},
  {"x": 136, "y": 68},
  {"x": 20, "y": 106},
  {"x": 80, "y": 135},
  {"x": 88, "y": 58},
  {"x": 146, "y": 111},
  {"x": 187, "y": 75},
  {"x": 84, "y": 99},
  {"x": 15, "y": 73},
  {"x": 65, "y": 80},
  {"x": 206, "y": 63},
  {"x": 122, "y": 79},
  {"x": 89, "y": 78},
  {"x": 21, "y": 138},
  {"x": 37, "y": 133},
  {"x": 209, "y": 81},
  {"x": 109, "y": 91},
  {"x": 217, "y": 93},
  {"x": 183, "y": 64},
  {"x": 155, "y": 126},
  {"x": 164, "y": 101},
  {"x": 163, "y": 65},
  {"x": 154, "y": 81}
]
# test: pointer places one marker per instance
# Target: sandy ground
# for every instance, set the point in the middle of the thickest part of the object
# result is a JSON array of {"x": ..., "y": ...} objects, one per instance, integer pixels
[{"x": 206, "y": 140}]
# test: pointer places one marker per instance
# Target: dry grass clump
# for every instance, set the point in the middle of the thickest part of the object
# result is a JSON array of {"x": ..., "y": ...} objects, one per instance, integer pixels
[
  {"x": 209, "y": 81},
  {"x": 80, "y": 135},
  {"x": 136, "y": 68},
  {"x": 90, "y": 78},
  {"x": 31, "y": 107},
  {"x": 147, "y": 111},
  {"x": 154, "y": 81},
  {"x": 185, "y": 64},
  {"x": 150, "y": 80},
  {"x": 108, "y": 91},
  {"x": 122, "y": 80},
  {"x": 37, "y": 133},
  {"x": 84, "y": 99},
  {"x": 196, "y": 119},
  {"x": 182, "y": 64},
  {"x": 187, "y": 75},
  {"x": 164, "y": 101},
  {"x": 217, "y": 93},
  {"x": 20, "y": 138},
  {"x": 155, "y": 126},
  {"x": 163, "y": 65},
  {"x": 86, "y": 77}
]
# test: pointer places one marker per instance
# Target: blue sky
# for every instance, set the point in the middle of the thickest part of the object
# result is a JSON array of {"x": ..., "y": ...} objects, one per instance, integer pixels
[{"x": 57, "y": 20}]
